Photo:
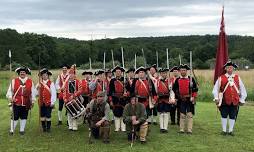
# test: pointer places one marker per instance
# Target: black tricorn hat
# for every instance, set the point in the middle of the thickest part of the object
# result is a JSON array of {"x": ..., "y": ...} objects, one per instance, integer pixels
[
  {"x": 99, "y": 72},
  {"x": 140, "y": 69},
  {"x": 163, "y": 70},
  {"x": 26, "y": 69},
  {"x": 174, "y": 68},
  {"x": 87, "y": 72},
  {"x": 65, "y": 65},
  {"x": 118, "y": 68},
  {"x": 230, "y": 63},
  {"x": 108, "y": 71},
  {"x": 184, "y": 66},
  {"x": 130, "y": 70},
  {"x": 45, "y": 70}
]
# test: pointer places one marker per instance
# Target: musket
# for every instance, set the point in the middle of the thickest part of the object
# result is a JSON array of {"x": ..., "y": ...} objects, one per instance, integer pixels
[
  {"x": 12, "y": 102},
  {"x": 157, "y": 59},
  {"x": 192, "y": 70},
  {"x": 90, "y": 63},
  {"x": 132, "y": 135},
  {"x": 151, "y": 105},
  {"x": 144, "y": 57},
  {"x": 124, "y": 89},
  {"x": 180, "y": 59},
  {"x": 39, "y": 94},
  {"x": 113, "y": 61},
  {"x": 191, "y": 82},
  {"x": 135, "y": 64},
  {"x": 104, "y": 68}
]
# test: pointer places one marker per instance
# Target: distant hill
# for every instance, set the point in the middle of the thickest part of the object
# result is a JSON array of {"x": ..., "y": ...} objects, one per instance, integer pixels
[{"x": 54, "y": 51}]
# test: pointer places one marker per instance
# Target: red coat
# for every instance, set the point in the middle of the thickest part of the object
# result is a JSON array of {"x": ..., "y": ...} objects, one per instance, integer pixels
[
  {"x": 116, "y": 88},
  {"x": 163, "y": 90},
  {"x": 85, "y": 87},
  {"x": 99, "y": 87},
  {"x": 230, "y": 95},
  {"x": 45, "y": 94},
  {"x": 77, "y": 92},
  {"x": 181, "y": 87},
  {"x": 62, "y": 79},
  {"x": 23, "y": 96},
  {"x": 143, "y": 91}
]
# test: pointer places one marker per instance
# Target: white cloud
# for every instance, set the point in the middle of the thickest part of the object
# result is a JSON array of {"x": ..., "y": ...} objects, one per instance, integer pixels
[{"x": 79, "y": 19}]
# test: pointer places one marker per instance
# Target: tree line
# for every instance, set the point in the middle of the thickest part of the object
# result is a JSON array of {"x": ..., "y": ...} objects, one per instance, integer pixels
[{"x": 36, "y": 50}]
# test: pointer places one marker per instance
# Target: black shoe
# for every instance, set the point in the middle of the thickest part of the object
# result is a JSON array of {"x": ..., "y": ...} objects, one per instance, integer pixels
[
  {"x": 106, "y": 141},
  {"x": 181, "y": 132},
  {"x": 189, "y": 133},
  {"x": 223, "y": 133},
  {"x": 165, "y": 131},
  {"x": 22, "y": 133},
  {"x": 59, "y": 123},
  {"x": 142, "y": 142},
  {"x": 48, "y": 126},
  {"x": 161, "y": 130},
  {"x": 231, "y": 134},
  {"x": 11, "y": 133}
]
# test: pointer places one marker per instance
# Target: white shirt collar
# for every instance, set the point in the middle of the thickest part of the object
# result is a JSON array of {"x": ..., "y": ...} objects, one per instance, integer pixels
[
  {"x": 45, "y": 81},
  {"x": 23, "y": 80},
  {"x": 232, "y": 75}
]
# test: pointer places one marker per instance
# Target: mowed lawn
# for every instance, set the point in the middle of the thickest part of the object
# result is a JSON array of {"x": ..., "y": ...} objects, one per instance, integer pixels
[{"x": 206, "y": 135}]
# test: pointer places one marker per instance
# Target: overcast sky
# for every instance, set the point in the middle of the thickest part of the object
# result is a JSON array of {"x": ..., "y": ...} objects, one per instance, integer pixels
[{"x": 126, "y": 18}]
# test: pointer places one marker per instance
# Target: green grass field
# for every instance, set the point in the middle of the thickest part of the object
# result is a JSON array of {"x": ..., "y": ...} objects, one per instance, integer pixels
[{"x": 206, "y": 135}]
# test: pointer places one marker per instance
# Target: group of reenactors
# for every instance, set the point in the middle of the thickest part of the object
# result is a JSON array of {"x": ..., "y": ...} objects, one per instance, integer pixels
[{"x": 134, "y": 99}]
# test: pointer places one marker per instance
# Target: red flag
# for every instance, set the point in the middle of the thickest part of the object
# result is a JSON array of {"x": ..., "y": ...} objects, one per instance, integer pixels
[{"x": 222, "y": 50}]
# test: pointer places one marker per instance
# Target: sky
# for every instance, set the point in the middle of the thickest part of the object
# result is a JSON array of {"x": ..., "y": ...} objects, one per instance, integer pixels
[{"x": 97, "y": 19}]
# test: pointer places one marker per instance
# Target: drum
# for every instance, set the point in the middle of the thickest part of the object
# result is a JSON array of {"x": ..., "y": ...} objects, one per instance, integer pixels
[{"x": 75, "y": 107}]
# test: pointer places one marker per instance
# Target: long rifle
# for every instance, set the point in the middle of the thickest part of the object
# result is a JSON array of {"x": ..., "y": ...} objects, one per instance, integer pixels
[
  {"x": 132, "y": 135},
  {"x": 135, "y": 64},
  {"x": 151, "y": 105},
  {"x": 104, "y": 68},
  {"x": 168, "y": 73},
  {"x": 123, "y": 72},
  {"x": 180, "y": 59},
  {"x": 157, "y": 59},
  {"x": 113, "y": 61},
  {"x": 144, "y": 57},
  {"x": 12, "y": 102},
  {"x": 39, "y": 94},
  {"x": 90, "y": 63},
  {"x": 191, "y": 82}
]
